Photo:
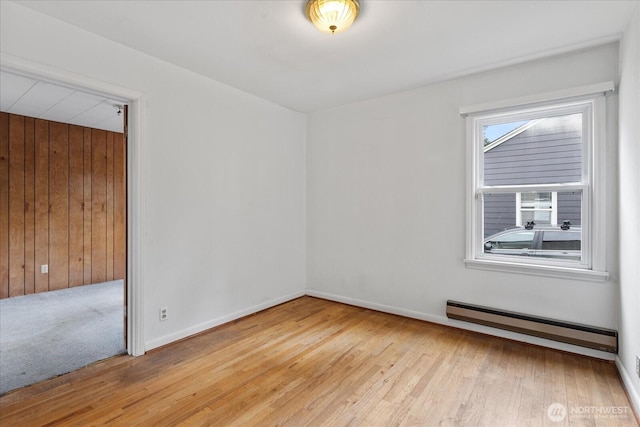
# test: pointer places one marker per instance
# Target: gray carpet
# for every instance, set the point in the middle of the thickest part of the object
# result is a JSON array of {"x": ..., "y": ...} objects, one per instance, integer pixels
[{"x": 48, "y": 334}]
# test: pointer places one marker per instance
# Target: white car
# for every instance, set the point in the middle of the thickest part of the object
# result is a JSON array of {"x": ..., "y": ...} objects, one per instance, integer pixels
[{"x": 540, "y": 241}]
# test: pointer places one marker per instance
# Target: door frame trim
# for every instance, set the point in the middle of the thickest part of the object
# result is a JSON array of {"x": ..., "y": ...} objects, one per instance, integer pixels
[{"x": 135, "y": 183}]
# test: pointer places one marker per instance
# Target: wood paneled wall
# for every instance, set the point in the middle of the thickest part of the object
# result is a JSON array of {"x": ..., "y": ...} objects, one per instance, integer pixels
[{"x": 62, "y": 203}]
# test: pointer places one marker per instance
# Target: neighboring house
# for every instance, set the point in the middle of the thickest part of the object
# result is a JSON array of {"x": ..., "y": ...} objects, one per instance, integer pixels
[{"x": 541, "y": 151}]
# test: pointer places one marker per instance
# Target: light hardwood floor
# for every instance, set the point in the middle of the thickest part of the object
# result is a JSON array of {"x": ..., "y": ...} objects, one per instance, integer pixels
[{"x": 315, "y": 362}]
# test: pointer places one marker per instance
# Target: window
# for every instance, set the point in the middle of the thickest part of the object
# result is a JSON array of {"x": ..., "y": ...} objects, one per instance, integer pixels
[
  {"x": 535, "y": 187},
  {"x": 540, "y": 207}
]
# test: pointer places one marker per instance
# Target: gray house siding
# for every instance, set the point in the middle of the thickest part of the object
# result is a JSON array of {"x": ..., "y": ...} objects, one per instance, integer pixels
[
  {"x": 548, "y": 152},
  {"x": 569, "y": 208},
  {"x": 499, "y": 212}
]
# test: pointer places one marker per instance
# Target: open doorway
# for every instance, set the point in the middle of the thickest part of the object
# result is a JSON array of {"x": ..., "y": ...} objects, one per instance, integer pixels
[{"x": 63, "y": 225}]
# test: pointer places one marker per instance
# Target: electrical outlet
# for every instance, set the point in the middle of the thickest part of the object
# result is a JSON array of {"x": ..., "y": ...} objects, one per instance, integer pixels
[
  {"x": 164, "y": 314},
  {"x": 44, "y": 268},
  {"x": 638, "y": 366}
]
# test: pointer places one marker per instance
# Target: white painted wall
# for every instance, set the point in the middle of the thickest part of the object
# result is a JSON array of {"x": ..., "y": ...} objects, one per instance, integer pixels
[
  {"x": 629, "y": 178},
  {"x": 223, "y": 173},
  {"x": 386, "y": 200}
]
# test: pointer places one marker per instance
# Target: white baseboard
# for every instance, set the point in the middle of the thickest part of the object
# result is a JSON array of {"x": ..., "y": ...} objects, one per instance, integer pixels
[
  {"x": 628, "y": 385},
  {"x": 443, "y": 320},
  {"x": 184, "y": 333}
]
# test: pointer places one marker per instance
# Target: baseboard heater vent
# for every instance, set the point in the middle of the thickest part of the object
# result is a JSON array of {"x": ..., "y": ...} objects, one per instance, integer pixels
[{"x": 572, "y": 333}]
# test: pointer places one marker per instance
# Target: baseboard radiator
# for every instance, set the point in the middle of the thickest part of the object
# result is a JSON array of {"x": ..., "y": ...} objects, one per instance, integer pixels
[{"x": 571, "y": 333}]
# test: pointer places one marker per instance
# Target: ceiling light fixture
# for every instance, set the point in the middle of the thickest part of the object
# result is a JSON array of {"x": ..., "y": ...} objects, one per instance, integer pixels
[{"x": 332, "y": 16}]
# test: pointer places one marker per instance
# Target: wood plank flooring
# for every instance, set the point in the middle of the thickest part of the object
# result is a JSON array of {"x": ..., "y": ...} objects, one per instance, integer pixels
[{"x": 319, "y": 363}]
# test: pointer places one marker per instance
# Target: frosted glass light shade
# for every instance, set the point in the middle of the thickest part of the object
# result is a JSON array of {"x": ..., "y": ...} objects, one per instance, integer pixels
[{"x": 332, "y": 16}]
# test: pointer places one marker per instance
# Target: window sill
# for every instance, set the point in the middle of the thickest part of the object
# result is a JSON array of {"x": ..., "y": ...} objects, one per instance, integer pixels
[{"x": 538, "y": 270}]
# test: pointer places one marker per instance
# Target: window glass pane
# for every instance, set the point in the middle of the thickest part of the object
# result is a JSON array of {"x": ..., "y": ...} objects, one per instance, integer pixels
[
  {"x": 536, "y": 200},
  {"x": 518, "y": 239},
  {"x": 556, "y": 233},
  {"x": 541, "y": 151},
  {"x": 499, "y": 213},
  {"x": 494, "y": 132},
  {"x": 563, "y": 245},
  {"x": 516, "y": 242},
  {"x": 569, "y": 240},
  {"x": 570, "y": 207},
  {"x": 539, "y": 217},
  {"x": 536, "y": 207}
]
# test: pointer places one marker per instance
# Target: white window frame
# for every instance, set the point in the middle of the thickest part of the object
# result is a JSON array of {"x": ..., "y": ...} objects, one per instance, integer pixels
[{"x": 590, "y": 100}]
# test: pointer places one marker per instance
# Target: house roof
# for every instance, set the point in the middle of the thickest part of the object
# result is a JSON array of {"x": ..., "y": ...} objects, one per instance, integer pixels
[{"x": 509, "y": 135}]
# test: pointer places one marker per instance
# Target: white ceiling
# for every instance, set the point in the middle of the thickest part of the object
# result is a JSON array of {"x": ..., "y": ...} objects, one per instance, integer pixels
[
  {"x": 32, "y": 98},
  {"x": 268, "y": 48}
]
